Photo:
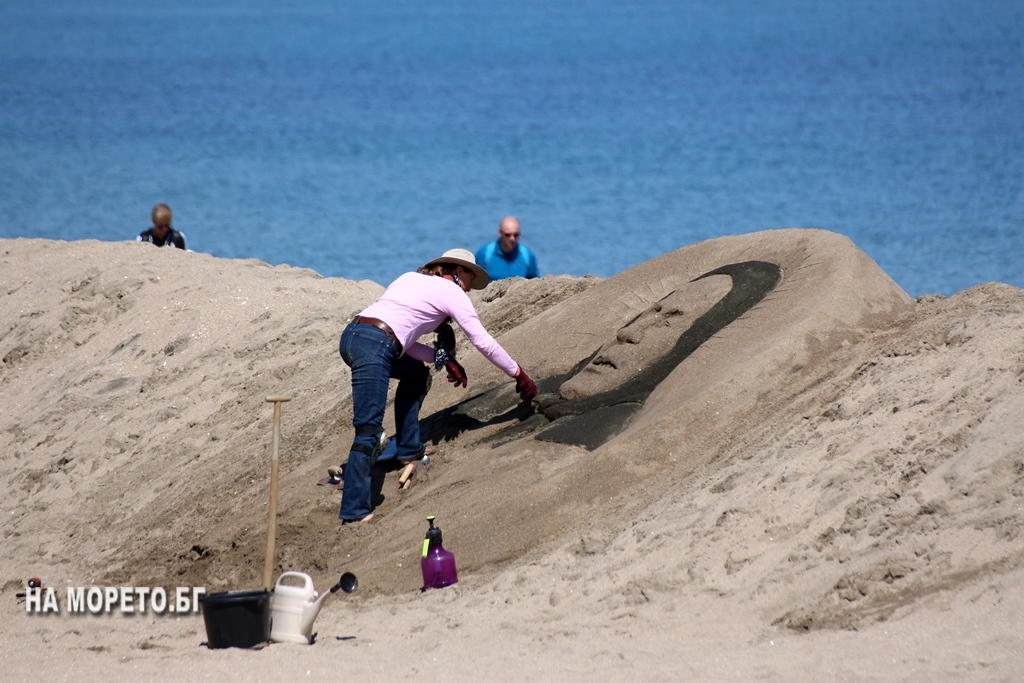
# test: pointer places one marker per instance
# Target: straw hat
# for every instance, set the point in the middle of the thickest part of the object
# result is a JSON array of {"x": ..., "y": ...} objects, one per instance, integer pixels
[{"x": 464, "y": 258}]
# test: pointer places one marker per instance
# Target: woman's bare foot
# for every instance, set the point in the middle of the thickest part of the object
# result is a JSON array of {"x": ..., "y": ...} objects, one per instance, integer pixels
[{"x": 361, "y": 520}]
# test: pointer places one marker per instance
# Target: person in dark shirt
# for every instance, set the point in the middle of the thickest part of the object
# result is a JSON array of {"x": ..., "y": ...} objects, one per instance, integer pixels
[{"x": 162, "y": 233}]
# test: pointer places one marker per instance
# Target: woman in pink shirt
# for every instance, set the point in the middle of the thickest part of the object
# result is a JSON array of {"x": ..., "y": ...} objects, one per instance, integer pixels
[{"x": 381, "y": 343}]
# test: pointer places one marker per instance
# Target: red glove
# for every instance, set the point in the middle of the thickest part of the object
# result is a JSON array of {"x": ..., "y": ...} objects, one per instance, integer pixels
[
  {"x": 525, "y": 386},
  {"x": 456, "y": 373}
]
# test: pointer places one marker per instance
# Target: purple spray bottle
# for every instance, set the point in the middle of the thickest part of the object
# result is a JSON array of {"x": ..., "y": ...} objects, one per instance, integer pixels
[{"x": 438, "y": 564}]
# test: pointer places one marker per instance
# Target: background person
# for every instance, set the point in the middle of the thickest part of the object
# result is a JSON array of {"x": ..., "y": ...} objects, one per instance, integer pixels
[
  {"x": 505, "y": 256},
  {"x": 162, "y": 233},
  {"x": 381, "y": 343}
]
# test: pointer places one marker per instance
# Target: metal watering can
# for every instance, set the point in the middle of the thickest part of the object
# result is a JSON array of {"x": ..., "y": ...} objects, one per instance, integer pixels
[{"x": 293, "y": 609}]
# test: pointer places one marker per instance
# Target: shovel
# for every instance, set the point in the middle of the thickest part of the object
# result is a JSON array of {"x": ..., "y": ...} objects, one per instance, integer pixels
[{"x": 268, "y": 565}]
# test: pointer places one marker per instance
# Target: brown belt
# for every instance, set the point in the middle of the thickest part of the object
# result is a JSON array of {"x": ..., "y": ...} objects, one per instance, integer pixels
[{"x": 380, "y": 325}]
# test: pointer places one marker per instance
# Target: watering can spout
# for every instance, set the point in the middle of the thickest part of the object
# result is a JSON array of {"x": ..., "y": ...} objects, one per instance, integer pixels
[{"x": 311, "y": 610}]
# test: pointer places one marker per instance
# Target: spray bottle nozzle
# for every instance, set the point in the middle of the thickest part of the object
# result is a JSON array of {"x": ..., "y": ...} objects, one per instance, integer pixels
[{"x": 433, "y": 536}]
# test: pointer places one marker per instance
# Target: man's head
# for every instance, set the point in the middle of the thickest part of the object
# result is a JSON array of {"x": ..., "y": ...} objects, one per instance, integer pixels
[
  {"x": 161, "y": 219},
  {"x": 508, "y": 234}
]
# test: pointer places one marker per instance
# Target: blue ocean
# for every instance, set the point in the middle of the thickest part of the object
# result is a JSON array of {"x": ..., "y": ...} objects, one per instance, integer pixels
[{"x": 360, "y": 139}]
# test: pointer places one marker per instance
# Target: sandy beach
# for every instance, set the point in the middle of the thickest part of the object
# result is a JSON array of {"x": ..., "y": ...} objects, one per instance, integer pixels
[{"x": 753, "y": 458}]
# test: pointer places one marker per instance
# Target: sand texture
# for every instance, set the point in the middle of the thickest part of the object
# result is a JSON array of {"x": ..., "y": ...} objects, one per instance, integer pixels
[{"x": 753, "y": 458}]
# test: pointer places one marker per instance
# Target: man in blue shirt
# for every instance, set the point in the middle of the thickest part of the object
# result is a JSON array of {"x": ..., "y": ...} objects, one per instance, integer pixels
[{"x": 505, "y": 256}]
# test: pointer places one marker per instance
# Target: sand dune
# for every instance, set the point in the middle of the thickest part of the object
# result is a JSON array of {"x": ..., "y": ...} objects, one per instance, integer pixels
[{"x": 754, "y": 457}]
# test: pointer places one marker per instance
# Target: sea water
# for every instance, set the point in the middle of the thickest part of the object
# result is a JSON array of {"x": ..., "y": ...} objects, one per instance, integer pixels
[{"x": 361, "y": 139}]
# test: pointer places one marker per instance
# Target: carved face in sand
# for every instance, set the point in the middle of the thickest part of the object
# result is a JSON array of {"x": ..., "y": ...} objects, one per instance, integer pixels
[{"x": 646, "y": 338}]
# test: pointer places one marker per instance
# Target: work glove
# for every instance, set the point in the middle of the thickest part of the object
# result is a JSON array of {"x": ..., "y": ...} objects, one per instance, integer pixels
[
  {"x": 525, "y": 386},
  {"x": 456, "y": 373},
  {"x": 444, "y": 346}
]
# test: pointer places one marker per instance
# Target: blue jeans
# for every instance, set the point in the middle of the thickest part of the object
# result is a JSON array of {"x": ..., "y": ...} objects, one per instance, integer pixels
[{"x": 370, "y": 353}]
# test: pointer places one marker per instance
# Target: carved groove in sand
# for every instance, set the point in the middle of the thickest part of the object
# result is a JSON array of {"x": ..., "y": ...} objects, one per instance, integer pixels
[{"x": 595, "y": 401}]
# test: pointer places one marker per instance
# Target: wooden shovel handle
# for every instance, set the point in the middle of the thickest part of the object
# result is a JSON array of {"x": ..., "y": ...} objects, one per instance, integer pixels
[{"x": 268, "y": 564}]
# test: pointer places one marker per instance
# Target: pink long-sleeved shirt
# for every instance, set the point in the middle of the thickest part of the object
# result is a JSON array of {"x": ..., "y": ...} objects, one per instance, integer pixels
[{"x": 416, "y": 304}]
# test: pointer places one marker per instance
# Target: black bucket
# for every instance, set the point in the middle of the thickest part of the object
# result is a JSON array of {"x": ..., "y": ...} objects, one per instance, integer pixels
[{"x": 238, "y": 619}]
